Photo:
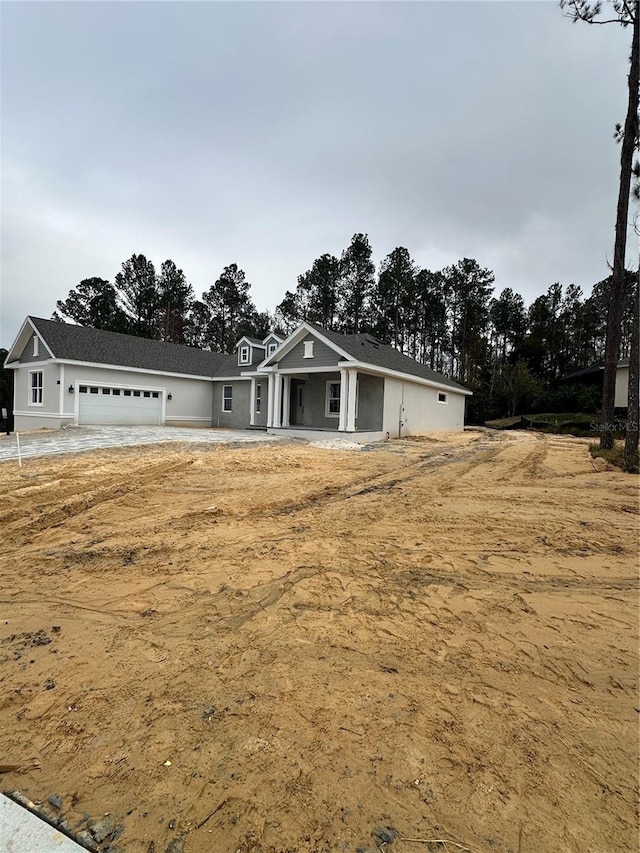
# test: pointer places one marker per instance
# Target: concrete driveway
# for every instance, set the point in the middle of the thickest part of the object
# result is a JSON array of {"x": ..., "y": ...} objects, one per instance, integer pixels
[{"x": 78, "y": 439}]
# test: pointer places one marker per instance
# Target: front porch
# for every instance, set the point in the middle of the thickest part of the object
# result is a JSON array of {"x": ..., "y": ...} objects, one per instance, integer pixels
[{"x": 330, "y": 401}]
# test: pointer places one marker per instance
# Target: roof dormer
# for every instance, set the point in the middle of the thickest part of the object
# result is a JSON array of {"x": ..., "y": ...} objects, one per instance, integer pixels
[
  {"x": 271, "y": 343},
  {"x": 250, "y": 351}
]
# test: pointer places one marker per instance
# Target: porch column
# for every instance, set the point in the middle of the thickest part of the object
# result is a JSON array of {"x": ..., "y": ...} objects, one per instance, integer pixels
[
  {"x": 277, "y": 400},
  {"x": 63, "y": 388},
  {"x": 286, "y": 400},
  {"x": 252, "y": 403},
  {"x": 351, "y": 406},
  {"x": 344, "y": 385},
  {"x": 270, "y": 390}
]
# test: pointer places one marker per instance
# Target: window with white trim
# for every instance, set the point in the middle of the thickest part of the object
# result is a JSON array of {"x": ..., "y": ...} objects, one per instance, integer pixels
[
  {"x": 258, "y": 398},
  {"x": 332, "y": 400},
  {"x": 36, "y": 345},
  {"x": 272, "y": 348},
  {"x": 36, "y": 382},
  {"x": 442, "y": 398},
  {"x": 308, "y": 349},
  {"x": 244, "y": 355},
  {"x": 227, "y": 398}
]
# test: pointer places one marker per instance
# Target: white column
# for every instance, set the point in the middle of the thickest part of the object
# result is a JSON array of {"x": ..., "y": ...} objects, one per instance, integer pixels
[
  {"x": 344, "y": 386},
  {"x": 277, "y": 401},
  {"x": 252, "y": 403},
  {"x": 63, "y": 389},
  {"x": 351, "y": 405},
  {"x": 286, "y": 401},
  {"x": 270, "y": 389}
]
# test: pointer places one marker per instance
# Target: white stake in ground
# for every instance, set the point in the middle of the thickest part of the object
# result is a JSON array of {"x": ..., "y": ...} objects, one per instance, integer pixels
[{"x": 19, "y": 455}]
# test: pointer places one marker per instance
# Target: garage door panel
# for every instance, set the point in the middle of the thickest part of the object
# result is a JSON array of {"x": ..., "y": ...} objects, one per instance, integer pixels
[{"x": 100, "y": 405}]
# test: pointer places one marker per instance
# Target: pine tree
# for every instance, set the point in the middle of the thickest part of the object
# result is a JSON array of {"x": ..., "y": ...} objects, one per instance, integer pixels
[
  {"x": 357, "y": 274},
  {"x": 94, "y": 303}
]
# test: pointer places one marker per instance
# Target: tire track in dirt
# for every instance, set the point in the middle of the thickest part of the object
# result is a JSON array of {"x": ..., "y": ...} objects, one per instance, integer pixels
[
  {"x": 79, "y": 501},
  {"x": 409, "y": 469},
  {"x": 372, "y": 655}
]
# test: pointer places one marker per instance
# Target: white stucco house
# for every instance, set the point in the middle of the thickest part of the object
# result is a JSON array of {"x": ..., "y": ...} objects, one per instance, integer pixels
[{"x": 312, "y": 380}]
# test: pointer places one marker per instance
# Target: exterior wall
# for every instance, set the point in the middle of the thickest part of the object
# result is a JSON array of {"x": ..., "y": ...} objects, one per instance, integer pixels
[
  {"x": 323, "y": 356},
  {"x": 190, "y": 404},
  {"x": 421, "y": 410},
  {"x": 238, "y": 417},
  {"x": 393, "y": 389},
  {"x": 261, "y": 416},
  {"x": 370, "y": 402},
  {"x": 46, "y": 416},
  {"x": 622, "y": 388},
  {"x": 314, "y": 400}
]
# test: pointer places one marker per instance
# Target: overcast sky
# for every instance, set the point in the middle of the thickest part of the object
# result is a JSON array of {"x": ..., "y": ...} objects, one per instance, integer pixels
[{"x": 267, "y": 133}]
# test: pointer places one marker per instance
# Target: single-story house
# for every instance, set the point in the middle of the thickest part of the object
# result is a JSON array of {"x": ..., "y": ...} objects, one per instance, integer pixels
[
  {"x": 313, "y": 379},
  {"x": 594, "y": 374}
]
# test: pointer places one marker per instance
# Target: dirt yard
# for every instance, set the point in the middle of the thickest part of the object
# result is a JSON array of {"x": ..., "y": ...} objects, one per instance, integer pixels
[{"x": 287, "y": 648}]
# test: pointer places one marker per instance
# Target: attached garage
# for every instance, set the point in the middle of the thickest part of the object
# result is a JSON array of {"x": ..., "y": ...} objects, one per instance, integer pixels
[{"x": 107, "y": 404}]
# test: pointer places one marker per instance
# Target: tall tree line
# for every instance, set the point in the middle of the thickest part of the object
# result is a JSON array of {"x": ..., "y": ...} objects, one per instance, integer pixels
[
  {"x": 162, "y": 305},
  {"x": 451, "y": 319}
]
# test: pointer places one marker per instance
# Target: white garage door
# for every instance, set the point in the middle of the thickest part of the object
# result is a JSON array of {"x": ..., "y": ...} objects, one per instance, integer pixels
[{"x": 98, "y": 404}]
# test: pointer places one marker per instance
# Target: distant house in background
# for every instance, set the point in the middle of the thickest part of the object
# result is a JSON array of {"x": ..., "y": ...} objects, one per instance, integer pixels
[
  {"x": 594, "y": 374},
  {"x": 313, "y": 380}
]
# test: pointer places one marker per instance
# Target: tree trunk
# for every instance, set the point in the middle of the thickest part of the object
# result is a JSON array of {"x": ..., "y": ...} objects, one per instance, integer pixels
[
  {"x": 620, "y": 247},
  {"x": 633, "y": 411}
]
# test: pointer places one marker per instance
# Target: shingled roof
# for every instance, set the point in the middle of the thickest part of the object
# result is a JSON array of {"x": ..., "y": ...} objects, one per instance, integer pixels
[
  {"x": 594, "y": 369},
  {"x": 367, "y": 348},
  {"x": 83, "y": 343}
]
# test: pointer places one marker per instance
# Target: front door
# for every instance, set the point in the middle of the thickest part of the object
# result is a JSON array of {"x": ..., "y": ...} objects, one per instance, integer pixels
[{"x": 297, "y": 402}]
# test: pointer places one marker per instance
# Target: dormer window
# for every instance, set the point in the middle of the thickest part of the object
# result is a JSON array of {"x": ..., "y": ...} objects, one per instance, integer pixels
[
  {"x": 308, "y": 349},
  {"x": 243, "y": 358},
  {"x": 272, "y": 348},
  {"x": 36, "y": 345}
]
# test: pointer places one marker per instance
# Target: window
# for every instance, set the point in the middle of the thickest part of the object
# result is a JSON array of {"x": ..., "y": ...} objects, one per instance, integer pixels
[
  {"x": 146, "y": 393},
  {"x": 332, "y": 400},
  {"x": 227, "y": 396},
  {"x": 83, "y": 389},
  {"x": 35, "y": 387},
  {"x": 308, "y": 349},
  {"x": 36, "y": 345},
  {"x": 136, "y": 393},
  {"x": 272, "y": 348},
  {"x": 116, "y": 392},
  {"x": 258, "y": 398},
  {"x": 127, "y": 392},
  {"x": 106, "y": 390},
  {"x": 155, "y": 395},
  {"x": 442, "y": 398},
  {"x": 93, "y": 390},
  {"x": 244, "y": 355}
]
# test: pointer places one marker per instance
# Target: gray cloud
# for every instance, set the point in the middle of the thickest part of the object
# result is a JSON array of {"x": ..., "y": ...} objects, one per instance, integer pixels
[{"x": 268, "y": 133}]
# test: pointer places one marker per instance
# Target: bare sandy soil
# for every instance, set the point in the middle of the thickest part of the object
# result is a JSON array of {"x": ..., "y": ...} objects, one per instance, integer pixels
[{"x": 285, "y": 648}]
